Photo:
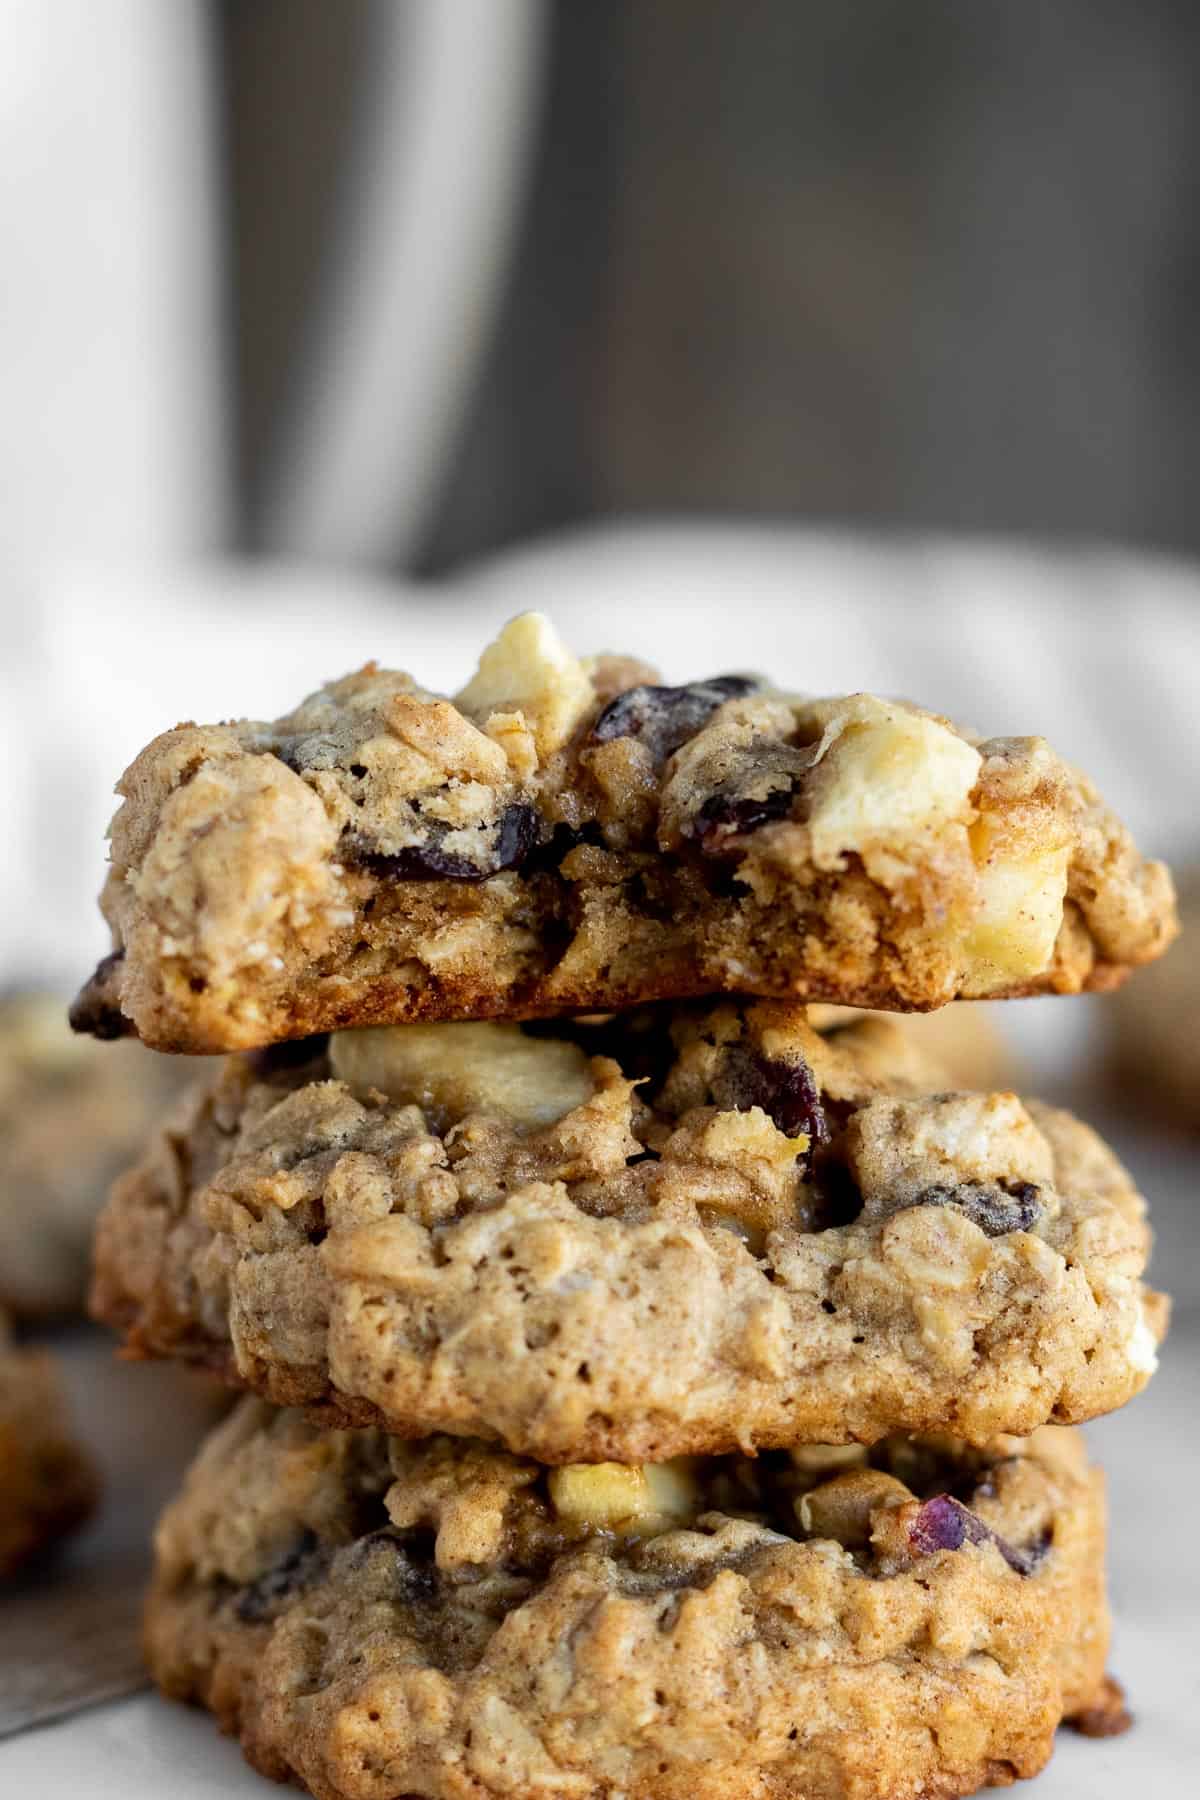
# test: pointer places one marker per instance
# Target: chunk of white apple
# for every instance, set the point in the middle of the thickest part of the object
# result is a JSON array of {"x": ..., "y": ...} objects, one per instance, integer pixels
[
  {"x": 888, "y": 775},
  {"x": 453, "y": 1070},
  {"x": 614, "y": 1497},
  {"x": 528, "y": 669},
  {"x": 1020, "y": 894}
]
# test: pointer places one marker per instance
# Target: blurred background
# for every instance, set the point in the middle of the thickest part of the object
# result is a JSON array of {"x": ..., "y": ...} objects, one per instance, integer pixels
[
  {"x": 398, "y": 282},
  {"x": 860, "y": 344}
]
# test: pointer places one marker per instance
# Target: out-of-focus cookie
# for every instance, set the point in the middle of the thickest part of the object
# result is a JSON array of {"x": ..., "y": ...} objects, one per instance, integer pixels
[
  {"x": 964, "y": 1039},
  {"x": 48, "y": 1482},
  {"x": 73, "y": 1114},
  {"x": 1154, "y": 1028},
  {"x": 372, "y": 1617}
]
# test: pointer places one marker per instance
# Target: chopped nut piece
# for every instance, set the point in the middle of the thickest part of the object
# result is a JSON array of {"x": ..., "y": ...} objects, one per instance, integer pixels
[
  {"x": 844, "y": 1507},
  {"x": 511, "y": 731},
  {"x": 741, "y": 1138},
  {"x": 445, "y": 742},
  {"x": 935, "y": 1249}
]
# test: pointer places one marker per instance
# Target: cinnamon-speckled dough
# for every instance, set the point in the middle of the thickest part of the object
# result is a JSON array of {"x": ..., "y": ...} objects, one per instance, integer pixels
[
  {"x": 48, "y": 1484},
  {"x": 73, "y": 1114},
  {"x": 719, "y": 1230},
  {"x": 569, "y": 835},
  {"x": 373, "y": 1618}
]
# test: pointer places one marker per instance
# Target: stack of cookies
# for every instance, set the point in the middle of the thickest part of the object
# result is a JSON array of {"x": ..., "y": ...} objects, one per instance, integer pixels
[{"x": 662, "y": 1389}]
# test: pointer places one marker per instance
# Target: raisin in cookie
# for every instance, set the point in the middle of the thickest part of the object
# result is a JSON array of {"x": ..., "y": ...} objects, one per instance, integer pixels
[
  {"x": 72, "y": 1116},
  {"x": 373, "y": 1618},
  {"x": 681, "y": 1229},
  {"x": 566, "y": 836},
  {"x": 48, "y": 1484}
]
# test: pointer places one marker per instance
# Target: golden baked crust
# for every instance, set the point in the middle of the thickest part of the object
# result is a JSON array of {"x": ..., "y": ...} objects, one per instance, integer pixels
[
  {"x": 48, "y": 1483},
  {"x": 372, "y": 1618},
  {"x": 73, "y": 1114},
  {"x": 569, "y": 836},
  {"x": 725, "y": 1231}
]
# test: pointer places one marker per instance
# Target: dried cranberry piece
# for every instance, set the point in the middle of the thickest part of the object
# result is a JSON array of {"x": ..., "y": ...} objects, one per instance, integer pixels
[
  {"x": 785, "y": 1089},
  {"x": 663, "y": 718},
  {"x": 517, "y": 834},
  {"x": 944, "y": 1523},
  {"x": 95, "y": 1009},
  {"x": 996, "y": 1208},
  {"x": 302, "y": 1564},
  {"x": 724, "y": 816},
  {"x": 787, "y": 1093}
]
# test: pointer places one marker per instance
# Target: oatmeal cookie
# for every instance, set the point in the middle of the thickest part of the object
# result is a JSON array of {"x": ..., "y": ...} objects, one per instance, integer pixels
[
  {"x": 72, "y": 1115},
  {"x": 964, "y": 1039},
  {"x": 567, "y": 835},
  {"x": 48, "y": 1484},
  {"x": 371, "y": 1617},
  {"x": 1153, "y": 1040},
  {"x": 681, "y": 1229}
]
